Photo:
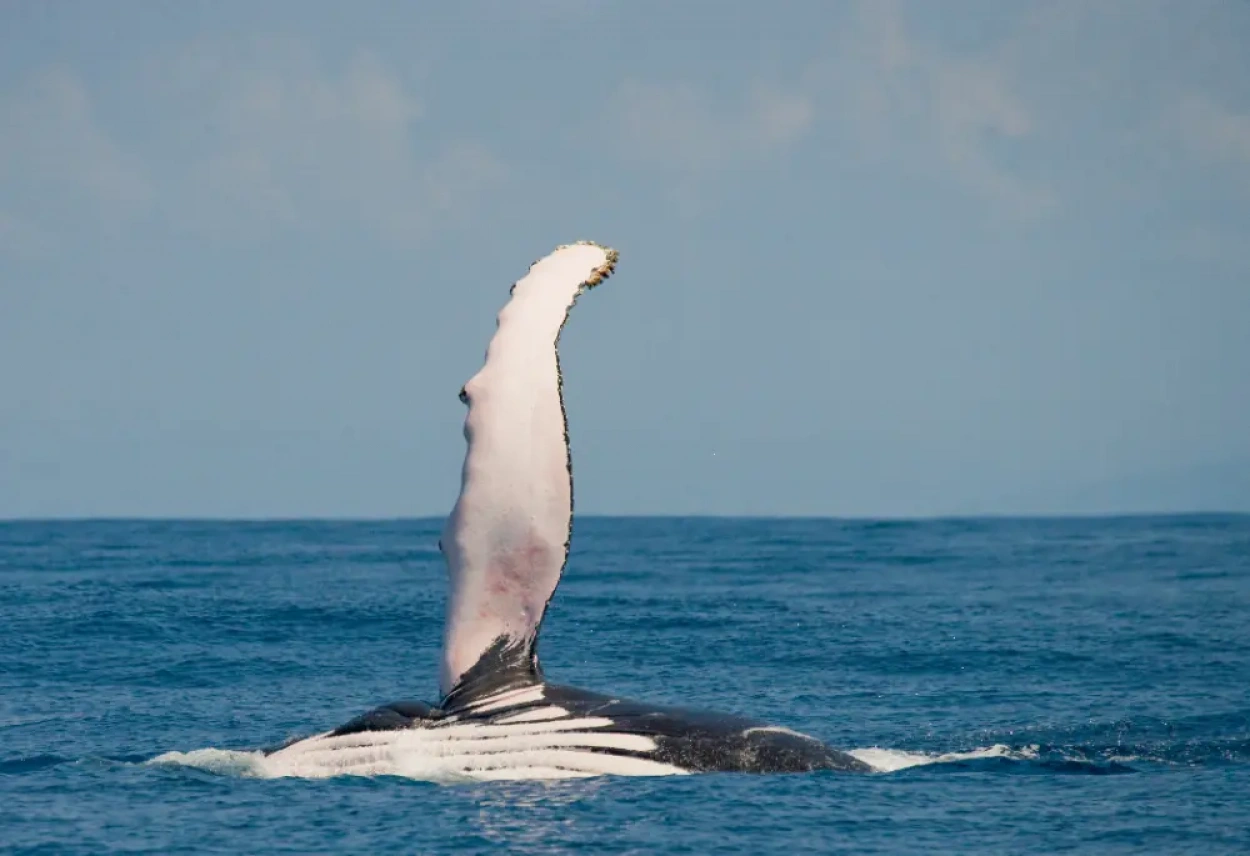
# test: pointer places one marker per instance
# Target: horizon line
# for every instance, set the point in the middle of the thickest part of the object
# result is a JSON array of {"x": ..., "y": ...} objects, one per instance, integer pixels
[{"x": 850, "y": 518}]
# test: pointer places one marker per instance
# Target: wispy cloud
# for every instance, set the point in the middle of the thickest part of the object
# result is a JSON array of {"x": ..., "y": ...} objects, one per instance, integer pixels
[
  {"x": 54, "y": 154},
  {"x": 52, "y": 136},
  {"x": 251, "y": 139},
  {"x": 679, "y": 126},
  {"x": 1213, "y": 130},
  {"x": 294, "y": 145},
  {"x": 896, "y": 96},
  {"x": 902, "y": 96}
]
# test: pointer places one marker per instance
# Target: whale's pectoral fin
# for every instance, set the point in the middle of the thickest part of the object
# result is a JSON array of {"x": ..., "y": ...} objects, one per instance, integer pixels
[{"x": 507, "y": 539}]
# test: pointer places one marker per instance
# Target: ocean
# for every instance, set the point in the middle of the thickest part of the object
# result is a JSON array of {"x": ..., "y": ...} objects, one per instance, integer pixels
[{"x": 1025, "y": 686}]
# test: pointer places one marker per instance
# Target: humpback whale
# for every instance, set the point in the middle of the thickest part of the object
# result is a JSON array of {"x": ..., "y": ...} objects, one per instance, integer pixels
[{"x": 506, "y": 543}]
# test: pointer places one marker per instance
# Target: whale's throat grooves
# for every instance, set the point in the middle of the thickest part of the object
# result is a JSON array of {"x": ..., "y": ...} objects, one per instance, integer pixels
[{"x": 506, "y": 541}]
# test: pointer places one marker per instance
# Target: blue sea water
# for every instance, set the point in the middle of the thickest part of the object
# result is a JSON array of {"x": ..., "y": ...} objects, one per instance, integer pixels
[{"x": 1034, "y": 686}]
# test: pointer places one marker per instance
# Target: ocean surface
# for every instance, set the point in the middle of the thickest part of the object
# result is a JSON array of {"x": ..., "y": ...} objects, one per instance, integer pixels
[{"x": 1026, "y": 686}]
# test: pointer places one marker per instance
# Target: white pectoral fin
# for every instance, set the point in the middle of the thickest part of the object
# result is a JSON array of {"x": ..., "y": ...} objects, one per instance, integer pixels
[{"x": 507, "y": 538}]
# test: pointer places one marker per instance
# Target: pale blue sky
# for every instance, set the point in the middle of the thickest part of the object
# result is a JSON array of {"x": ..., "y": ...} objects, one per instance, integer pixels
[{"x": 876, "y": 258}]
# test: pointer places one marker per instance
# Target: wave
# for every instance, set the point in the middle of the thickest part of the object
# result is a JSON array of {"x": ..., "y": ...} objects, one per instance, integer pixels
[
  {"x": 1096, "y": 758},
  {"x": 996, "y": 758},
  {"x": 223, "y": 762},
  {"x": 893, "y": 760},
  {"x": 1101, "y": 749}
]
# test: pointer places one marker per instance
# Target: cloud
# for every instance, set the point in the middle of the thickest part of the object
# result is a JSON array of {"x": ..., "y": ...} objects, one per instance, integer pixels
[
  {"x": 1212, "y": 130},
  {"x": 974, "y": 109},
  {"x": 237, "y": 141},
  {"x": 678, "y": 126},
  {"x": 55, "y": 154},
  {"x": 894, "y": 96},
  {"x": 902, "y": 97},
  {"x": 293, "y": 145},
  {"x": 51, "y": 136},
  {"x": 1031, "y": 105}
]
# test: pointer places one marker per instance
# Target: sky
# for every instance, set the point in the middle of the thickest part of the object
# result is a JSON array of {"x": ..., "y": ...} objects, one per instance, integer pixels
[{"x": 877, "y": 259}]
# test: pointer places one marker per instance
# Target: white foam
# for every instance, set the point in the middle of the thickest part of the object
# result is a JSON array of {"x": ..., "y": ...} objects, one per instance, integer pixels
[
  {"x": 1128, "y": 759},
  {"x": 225, "y": 762},
  {"x": 893, "y": 760}
]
